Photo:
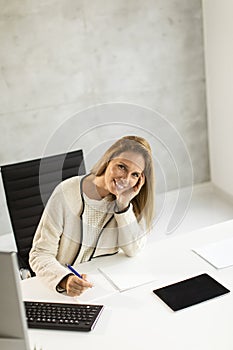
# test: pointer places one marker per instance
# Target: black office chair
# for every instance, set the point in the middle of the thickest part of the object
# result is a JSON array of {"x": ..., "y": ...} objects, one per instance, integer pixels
[{"x": 28, "y": 185}]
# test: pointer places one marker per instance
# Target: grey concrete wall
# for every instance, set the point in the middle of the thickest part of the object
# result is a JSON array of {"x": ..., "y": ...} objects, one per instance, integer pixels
[{"x": 78, "y": 74}]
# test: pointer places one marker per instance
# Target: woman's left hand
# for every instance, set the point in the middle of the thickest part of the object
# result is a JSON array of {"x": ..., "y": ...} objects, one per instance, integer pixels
[{"x": 124, "y": 197}]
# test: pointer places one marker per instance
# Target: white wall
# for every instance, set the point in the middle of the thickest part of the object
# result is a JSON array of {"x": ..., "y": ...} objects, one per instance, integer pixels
[
  {"x": 218, "y": 39},
  {"x": 60, "y": 57}
]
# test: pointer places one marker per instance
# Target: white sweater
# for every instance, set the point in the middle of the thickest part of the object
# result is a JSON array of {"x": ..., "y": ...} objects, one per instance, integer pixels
[{"x": 59, "y": 236}]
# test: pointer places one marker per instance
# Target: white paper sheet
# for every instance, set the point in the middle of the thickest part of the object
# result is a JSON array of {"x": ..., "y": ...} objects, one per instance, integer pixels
[
  {"x": 101, "y": 288},
  {"x": 127, "y": 275},
  {"x": 42, "y": 292},
  {"x": 219, "y": 254}
]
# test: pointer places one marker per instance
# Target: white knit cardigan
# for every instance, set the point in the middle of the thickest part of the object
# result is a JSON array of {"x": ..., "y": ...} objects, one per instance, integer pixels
[{"x": 58, "y": 238}]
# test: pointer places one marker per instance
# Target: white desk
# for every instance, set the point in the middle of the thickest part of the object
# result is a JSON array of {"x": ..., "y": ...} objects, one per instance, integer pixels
[{"x": 136, "y": 318}]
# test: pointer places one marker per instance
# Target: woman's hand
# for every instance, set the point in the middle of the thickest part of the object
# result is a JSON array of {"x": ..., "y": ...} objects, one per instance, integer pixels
[
  {"x": 74, "y": 285},
  {"x": 124, "y": 197}
]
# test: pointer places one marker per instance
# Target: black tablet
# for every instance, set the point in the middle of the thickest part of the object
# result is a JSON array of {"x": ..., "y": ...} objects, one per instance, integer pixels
[{"x": 190, "y": 291}]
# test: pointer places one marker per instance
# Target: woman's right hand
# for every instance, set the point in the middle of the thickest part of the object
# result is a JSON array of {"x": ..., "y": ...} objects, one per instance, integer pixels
[{"x": 75, "y": 286}]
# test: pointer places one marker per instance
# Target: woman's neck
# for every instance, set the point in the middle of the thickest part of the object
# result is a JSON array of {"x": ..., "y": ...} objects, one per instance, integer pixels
[{"x": 93, "y": 187}]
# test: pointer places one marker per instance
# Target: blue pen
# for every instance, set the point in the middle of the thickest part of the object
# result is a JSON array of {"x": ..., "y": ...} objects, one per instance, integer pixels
[{"x": 73, "y": 270}]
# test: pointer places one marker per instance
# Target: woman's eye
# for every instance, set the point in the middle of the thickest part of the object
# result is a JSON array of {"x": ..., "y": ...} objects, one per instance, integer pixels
[
  {"x": 135, "y": 175},
  {"x": 120, "y": 166}
]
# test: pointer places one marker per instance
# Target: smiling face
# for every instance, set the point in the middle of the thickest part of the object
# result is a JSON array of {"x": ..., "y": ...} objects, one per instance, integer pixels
[{"x": 123, "y": 172}]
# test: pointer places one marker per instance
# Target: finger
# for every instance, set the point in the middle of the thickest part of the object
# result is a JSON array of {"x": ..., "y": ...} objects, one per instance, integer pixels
[
  {"x": 143, "y": 177},
  {"x": 84, "y": 276},
  {"x": 141, "y": 181},
  {"x": 76, "y": 287},
  {"x": 81, "y": 282},
  {"x": 75, "y": 292}
]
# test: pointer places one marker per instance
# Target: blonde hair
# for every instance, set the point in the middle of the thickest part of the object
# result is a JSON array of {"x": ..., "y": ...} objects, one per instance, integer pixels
[{"x": 143, "y": 203}]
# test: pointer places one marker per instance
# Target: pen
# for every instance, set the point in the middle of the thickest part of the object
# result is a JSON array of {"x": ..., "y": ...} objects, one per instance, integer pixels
[{"x": 73, "y": 270}]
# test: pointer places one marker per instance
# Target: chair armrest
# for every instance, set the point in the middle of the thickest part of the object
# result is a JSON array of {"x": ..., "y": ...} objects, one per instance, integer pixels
[{"x": 24, "y": 273}]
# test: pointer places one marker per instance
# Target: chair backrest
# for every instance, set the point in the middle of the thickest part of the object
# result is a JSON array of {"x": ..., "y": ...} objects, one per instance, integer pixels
[{"x": 28, "y": 185}]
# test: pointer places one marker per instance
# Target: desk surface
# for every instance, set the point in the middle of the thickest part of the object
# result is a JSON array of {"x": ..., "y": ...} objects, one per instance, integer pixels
[{"x": 137, "y": 318}]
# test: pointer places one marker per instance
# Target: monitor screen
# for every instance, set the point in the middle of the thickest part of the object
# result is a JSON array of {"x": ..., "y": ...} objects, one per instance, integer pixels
[{"x": 13, "y": 326}]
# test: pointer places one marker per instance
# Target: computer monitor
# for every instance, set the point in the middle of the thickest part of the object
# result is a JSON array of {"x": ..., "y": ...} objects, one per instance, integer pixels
[{"x": 13, "y": 326}]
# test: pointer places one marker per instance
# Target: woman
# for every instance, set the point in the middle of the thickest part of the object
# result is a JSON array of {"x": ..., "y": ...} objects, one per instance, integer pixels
[{"x": 94, "y": 215}]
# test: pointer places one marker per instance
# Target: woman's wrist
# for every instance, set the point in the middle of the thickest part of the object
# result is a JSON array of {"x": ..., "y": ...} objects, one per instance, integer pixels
[
  {"x": 119, "y": 208},
  {"x": 63, "y": 282}
]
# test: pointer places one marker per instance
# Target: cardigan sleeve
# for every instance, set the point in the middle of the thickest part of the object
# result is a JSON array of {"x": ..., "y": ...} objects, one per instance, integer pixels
[
  {"x": 132, "y": 235},
  {"x": 42, "y": 257}
]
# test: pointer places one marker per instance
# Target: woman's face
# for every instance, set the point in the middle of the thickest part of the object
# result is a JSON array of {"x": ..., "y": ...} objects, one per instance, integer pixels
[{"x": 123, "y": 172}]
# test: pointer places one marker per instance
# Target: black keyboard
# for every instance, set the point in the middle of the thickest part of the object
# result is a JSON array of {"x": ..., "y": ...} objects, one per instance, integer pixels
[{"x": 69, "y": 317}]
